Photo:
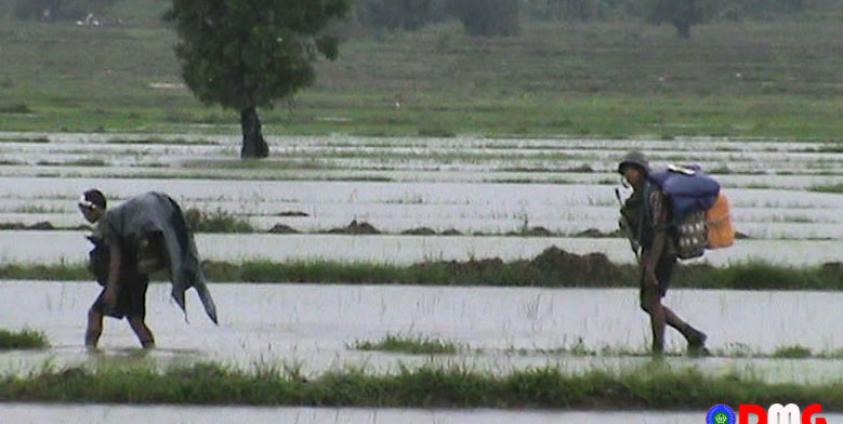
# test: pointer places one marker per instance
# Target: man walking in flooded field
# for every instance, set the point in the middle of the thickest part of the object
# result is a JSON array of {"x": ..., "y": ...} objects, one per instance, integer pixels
[
  {"x": 648, "y": 214},
  {"x": 113, "y": 263},
  {"x": 145, "y": 234}
]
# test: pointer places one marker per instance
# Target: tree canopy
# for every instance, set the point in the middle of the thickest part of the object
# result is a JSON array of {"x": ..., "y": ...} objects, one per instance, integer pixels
[{"x": 245, "y": 54}]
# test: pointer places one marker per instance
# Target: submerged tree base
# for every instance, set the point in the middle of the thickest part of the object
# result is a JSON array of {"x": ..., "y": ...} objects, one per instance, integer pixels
[
  {"x": 552, "y": 268},
  {"x": 651, "y": 387}
]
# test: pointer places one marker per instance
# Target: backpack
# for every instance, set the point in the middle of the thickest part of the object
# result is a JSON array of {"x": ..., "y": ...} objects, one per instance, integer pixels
[{"x": 691, "y": 195}]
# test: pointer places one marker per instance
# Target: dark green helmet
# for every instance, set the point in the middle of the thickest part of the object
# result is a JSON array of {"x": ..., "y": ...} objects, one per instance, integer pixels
[{"x": 634, "y": 158}]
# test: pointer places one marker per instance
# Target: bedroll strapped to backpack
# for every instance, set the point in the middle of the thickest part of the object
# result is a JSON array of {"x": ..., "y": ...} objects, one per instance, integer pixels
[
  {"x": 693, "y": 195},
  {"x": 718, "y": 221}
]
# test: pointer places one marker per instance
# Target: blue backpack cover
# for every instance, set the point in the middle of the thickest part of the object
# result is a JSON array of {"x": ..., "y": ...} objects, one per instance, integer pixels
[{"x": 689, "y": 189}]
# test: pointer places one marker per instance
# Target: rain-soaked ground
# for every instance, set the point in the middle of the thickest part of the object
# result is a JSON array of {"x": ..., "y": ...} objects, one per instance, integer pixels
[
  {"x": 498, "y": 329},
  {"x": 95, "y": 414},
  {"x": 53, "y": 247}
]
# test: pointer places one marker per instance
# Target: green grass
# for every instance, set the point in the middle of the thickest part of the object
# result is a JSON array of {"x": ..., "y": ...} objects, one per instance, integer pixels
[
  {"x": 733, "y": 351},
  {"x": 84, "y": 162},
  {"x": 25, "y": 339},
  {"x": 20, "y": 108},
  {"x": 406, "y": 344},
  {"x": 792, "y": 352},
  {"x": 293, "y": 164},
  {"x": 37, "y": 209},
  {"x": 420, "y": 344},
  {"x": 162, "y": 141},
  {"x": 199, "y": 175},
  {"x": 649, "y": 387},
  {"x": 602, "y": 79},
  {"x": 24, "y": 139},
  {"x": 216, "y": 222},
  {"x": 836, "y": 189},
  {"x": 552, "y": 268}
]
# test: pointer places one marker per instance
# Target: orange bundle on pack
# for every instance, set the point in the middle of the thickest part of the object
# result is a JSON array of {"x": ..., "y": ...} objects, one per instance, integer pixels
[{"x": 721, "y": 233}]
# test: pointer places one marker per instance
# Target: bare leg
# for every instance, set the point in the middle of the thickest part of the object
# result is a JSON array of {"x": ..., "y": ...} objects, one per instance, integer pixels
[
  {"x": 651, "y": 303},
  {"x": 142, "y": 331},
  {"x": 695, "y": 338},
  {"x": 674, "y": 321},
  {"x": 94, "y": 330},
  {"x": 661, "y": 315}
]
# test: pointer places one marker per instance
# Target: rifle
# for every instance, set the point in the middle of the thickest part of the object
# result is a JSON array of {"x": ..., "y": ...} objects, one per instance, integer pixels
[{"x": 627, "y": 229}]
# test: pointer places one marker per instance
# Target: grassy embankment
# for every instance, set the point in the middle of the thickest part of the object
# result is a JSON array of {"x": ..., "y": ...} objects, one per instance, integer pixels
[
  {"x": 418, "y": 344},
  {"x": 553, "y": 268},
  {"x": 208, "y": 384},
  {"x": 605, "y": 79}
]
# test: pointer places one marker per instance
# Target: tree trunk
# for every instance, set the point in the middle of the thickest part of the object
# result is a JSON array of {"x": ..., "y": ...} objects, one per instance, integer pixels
[
  {"x": 683, "y": 28},
  {"x": 254, "y": 146}
]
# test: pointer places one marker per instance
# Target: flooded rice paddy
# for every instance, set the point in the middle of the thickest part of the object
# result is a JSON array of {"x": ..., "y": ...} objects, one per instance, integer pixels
[
  {"x": 481, "y": 188},
  {"x": 497, "y": 329}
]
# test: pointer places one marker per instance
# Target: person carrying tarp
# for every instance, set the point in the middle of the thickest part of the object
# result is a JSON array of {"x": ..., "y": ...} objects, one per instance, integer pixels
[
  {"x": 145, "y": 234},
  {"x": 648, "y": 214}
]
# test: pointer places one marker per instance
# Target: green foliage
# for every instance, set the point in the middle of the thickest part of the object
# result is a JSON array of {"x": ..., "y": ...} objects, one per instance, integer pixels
[
  {"x": 404, "y": 344},
  {"x": 247, "y": 53},
  {"x": 568, "y": 10},
  {"x": 404, "y": 14},
  {"x": 745, "y": 9},
  {"x": 25, "y": 339},
  {"x": 488, "y": 17},
  {"x": 589, "y": 10}
]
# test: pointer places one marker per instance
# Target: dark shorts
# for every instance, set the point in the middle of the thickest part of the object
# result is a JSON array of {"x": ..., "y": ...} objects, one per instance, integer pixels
[
  {"x": 131, "y": 299},
  {"x": 664, "y": 270}
]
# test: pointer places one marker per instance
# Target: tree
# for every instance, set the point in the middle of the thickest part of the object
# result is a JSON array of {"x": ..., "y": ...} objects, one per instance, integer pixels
[
  {"x": 682, "y": 14},
  {"x": 488, "y": 17},
  {"x": 246, "y": 54}
]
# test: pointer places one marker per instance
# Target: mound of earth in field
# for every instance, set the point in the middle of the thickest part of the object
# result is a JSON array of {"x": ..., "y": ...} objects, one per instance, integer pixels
[
  {"x": 553, "y": 267},
  {"x": 355, "y": 228}
]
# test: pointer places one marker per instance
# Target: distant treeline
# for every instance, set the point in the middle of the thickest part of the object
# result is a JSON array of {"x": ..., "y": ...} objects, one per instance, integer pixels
[
  {"x": 494, "y": 17},
  {"x": 588, "y": 10},
  {"x": 502, "y": 17}
]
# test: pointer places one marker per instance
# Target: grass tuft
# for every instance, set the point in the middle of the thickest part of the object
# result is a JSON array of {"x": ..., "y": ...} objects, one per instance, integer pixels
[
  {"x": 24, "y": 339},
  {"x": 405, "y": 344},
  {"x": 792, "y": 352},
  {"x": 216, "y": 222},
  {"x": 835, "y": 189}
]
